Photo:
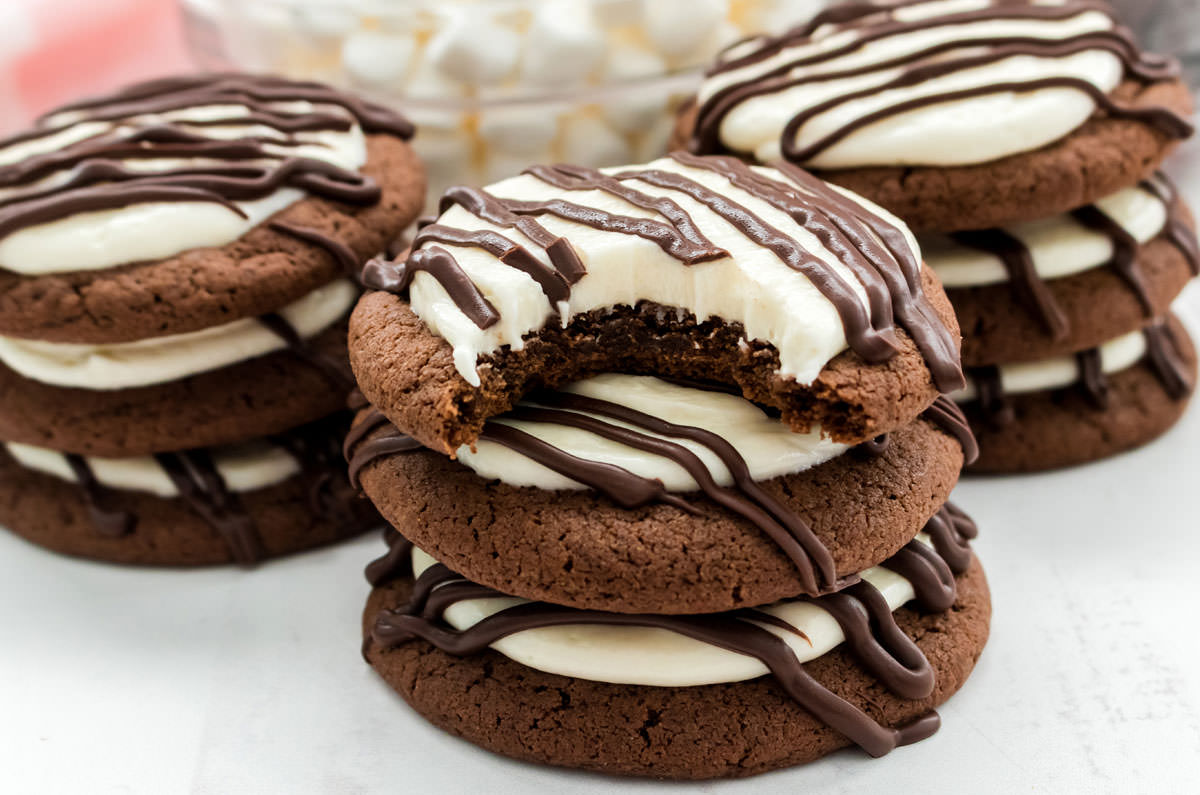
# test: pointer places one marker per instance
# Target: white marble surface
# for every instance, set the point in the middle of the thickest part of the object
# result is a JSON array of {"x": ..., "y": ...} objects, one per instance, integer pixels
[{"x": 118, "y": 680}]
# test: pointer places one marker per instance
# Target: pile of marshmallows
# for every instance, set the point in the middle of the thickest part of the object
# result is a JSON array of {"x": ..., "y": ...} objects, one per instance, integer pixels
[{"x": 494, "y": 85}]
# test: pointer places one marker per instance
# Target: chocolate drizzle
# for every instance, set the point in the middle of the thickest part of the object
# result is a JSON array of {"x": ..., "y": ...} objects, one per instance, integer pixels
[
  {"x": 336, "y": 369},
  {"x": 1032, "y": 292},
  {"x": 315, "y": 447},
  {"x": 342, "y": 255},
  {"x": 1178, "y": 230},
  {"x": 876, "y": 252},
  {"x": 1028, "y": 287},
  {"x": 374, "y": 437},
  {"x": 870, "y": 22},
  {"x": 870, "y": 628},
  {"x": 110, "y": 522},
  {"x": 360, "y": 451},
  {"x": 201, "y": 486},
  {"x": 246, "y": 168},
  {"x": 1163, "y": 356}
]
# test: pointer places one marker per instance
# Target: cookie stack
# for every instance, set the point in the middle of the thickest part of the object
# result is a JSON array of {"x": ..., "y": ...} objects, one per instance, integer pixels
[
  {"x": 667, "y": 461},
  {"x": 1021, "y": 139},
  {"x": 177, "y": 263}
]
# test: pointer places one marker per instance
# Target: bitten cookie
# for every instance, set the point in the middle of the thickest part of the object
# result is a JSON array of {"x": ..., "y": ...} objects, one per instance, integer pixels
[
  {"x": 237, "y": 504},
  {"x": 804, "y": 297},
  {"x": 685, "y": 697},
  {"x": 181, "y": 229},
  {"x": 669, "y": 533},
  {"x": 951, "y": 117}
]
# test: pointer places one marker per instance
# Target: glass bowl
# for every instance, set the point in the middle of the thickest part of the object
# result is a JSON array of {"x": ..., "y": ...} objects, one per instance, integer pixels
[{"x": 496, "y": 85}]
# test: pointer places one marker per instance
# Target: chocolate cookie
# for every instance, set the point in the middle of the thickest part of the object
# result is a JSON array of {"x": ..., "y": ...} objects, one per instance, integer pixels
[
  {"x": 304, "y": 246},
  {"x": 583, "y": 549},
  {"x": 1104, "y": 155},
  {"x": 1000, "y": 324},
  {"x": 1100, "y": 416},
  {"x": 951, "y": 118},
  {"x": 264, "y": 395},
  {"x": 409, "y": 372},
  {"x": 709, "y": 731},
  {"x": 336, "y": 216},
  {"x": 206, "y": 522}
]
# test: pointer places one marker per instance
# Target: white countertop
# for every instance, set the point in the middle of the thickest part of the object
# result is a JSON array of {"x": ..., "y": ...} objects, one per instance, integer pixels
[{"x": 226, "y": 681}]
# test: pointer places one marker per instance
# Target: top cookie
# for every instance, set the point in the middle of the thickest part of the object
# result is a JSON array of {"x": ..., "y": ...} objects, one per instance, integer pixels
[
  {"x": 183, "y": 203},
  {"x": 802, "y": 295},
  {"x": 954, "y": 115}
]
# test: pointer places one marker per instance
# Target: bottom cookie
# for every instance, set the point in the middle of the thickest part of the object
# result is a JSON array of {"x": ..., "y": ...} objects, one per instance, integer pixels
[
  {"x": 1101, "y": 415},
  {"x": 729, "y": 729},
  {"x": 239, "y": 504}
]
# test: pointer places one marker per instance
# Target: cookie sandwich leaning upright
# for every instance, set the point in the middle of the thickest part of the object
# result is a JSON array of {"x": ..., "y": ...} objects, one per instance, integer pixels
[
  {"x": 1022, "y": 141},
  {"x": 177, "y": 263},
  {"x": 666, "y": 457}
]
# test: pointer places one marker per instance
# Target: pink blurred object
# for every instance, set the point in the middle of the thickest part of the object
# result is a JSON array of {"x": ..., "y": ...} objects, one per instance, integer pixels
[{"x": 53, "y": 51}]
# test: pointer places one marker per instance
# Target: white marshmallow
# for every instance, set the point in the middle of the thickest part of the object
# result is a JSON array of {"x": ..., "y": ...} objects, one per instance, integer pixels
[
  {"x": 475, "y": 51},
  {"x": 500, "y": 166},
  {"x": 680, "y": 27},
  {"x": 324, "y": 19},
  {"x": 588, "y": 141},
  {"x": 643, "y": 107},
  {"x": 379, "y": 60},
  {"x": 564, "y": 45},
  {"x": 655, "y": 142},
  {"x": 617, "y": 13},
  {"x": 518, "y": 130}
]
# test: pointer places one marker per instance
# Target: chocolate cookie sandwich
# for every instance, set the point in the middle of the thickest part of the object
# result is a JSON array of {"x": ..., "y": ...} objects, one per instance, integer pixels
[
  {"x": 177, "y": 263},
  {"x": 1068, "y": 341},
  {"x": 664, "y": 507},
  {"x": 1023, "y": 140},
  {"x": 952, "y": 115},
  {"x": 804, "y": 297}
]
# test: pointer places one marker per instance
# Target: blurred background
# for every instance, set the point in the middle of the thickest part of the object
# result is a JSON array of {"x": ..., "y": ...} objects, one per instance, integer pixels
[{"x": 492, "y": 84}]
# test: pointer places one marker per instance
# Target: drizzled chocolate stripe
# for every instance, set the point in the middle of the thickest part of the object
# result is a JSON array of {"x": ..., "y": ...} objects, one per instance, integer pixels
[
  {"x": 553, "y": 285},
  {"x": 787, "y": 529},
  {"x": 345, "y": 258},
  {"x": 245, "y": 168},
  {"x": 200, "y": 485},
  {"x": 1178, "y": 231},
  {"x": 814, "y": 564},
  {"x": 360, "y": 451},
  {"x": 1028, "y": 287},
  {"x": 1031, "y": 290},
  {"x": 1125, "y": 249},
  {"x": 570, "y": 177},
  {"x": 874, "y": 22},
  {"x": 337, "y": 370},
  {"x": 870, "y": 628},
  {"x": 396, "y": 277},
  {"x": 1163, "y": 356},
  {"x": 483, "y": 205},
  {"x": 949, "y": 418},
  {"x": 110, "y": 522}
]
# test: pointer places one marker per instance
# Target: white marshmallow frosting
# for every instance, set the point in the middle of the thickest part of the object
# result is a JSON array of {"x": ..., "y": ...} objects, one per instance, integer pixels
[
  {"x": 244, "y": 467},
  {"x": 769, "y": 447},
  {"x": 946, "y": 133},
  {"x": 156, "y": 360},
  {"x": 658, "y": 657},
  {"x": 1061, "y": 371},
  {"x": 752, "y": 286},
  {"x": 1059, "y": 245},
  {"x": 107, "y": 238}
]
